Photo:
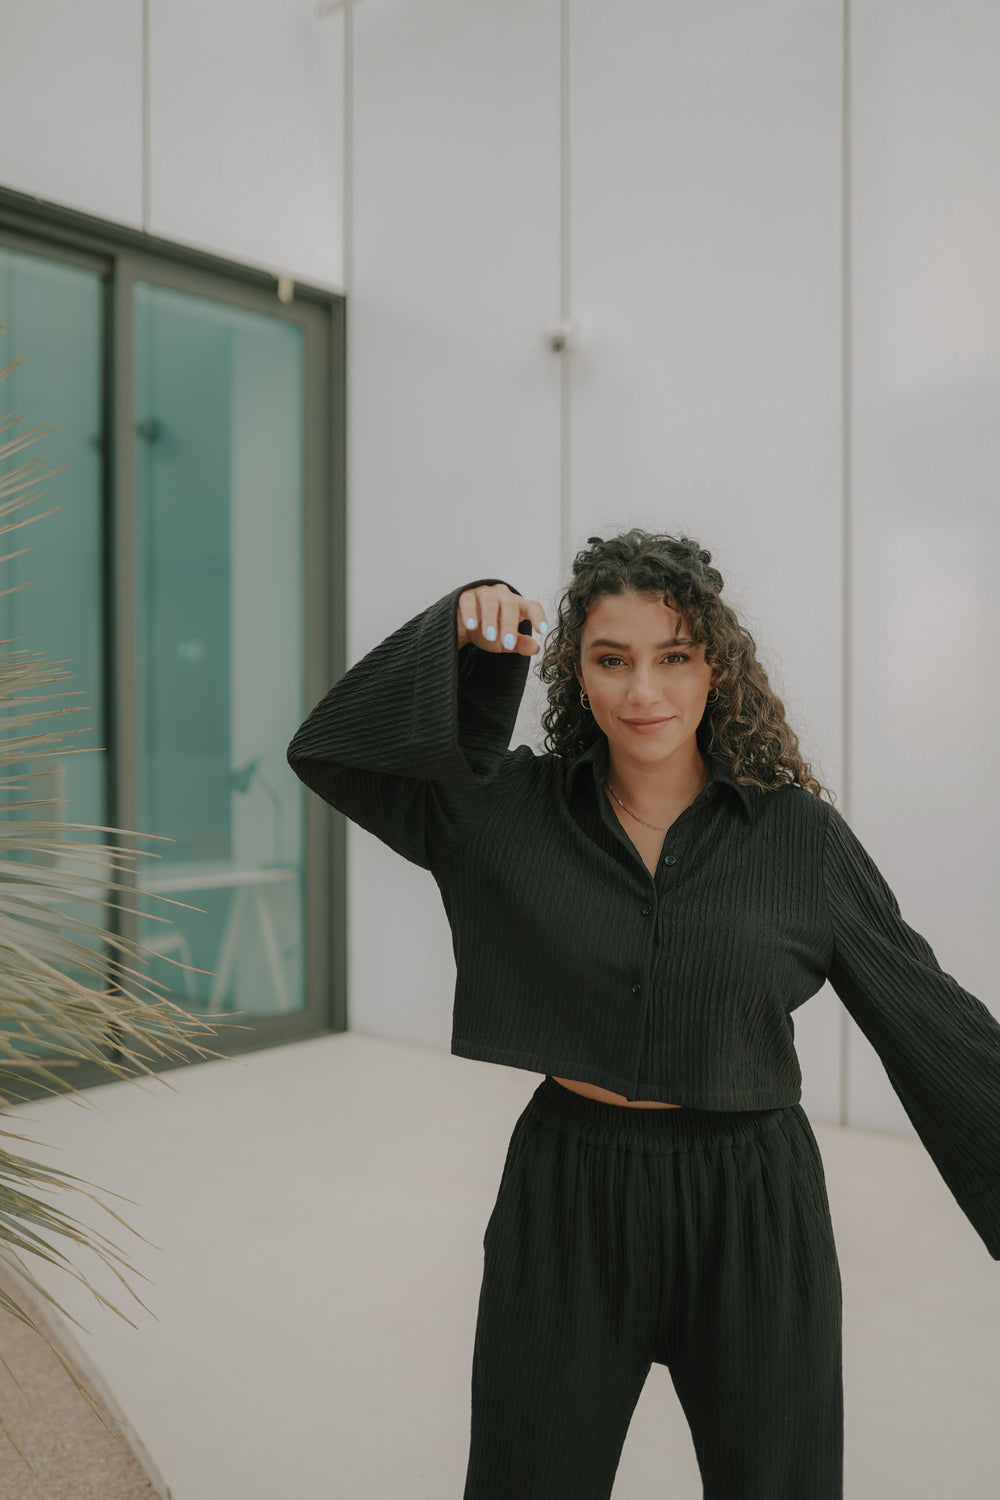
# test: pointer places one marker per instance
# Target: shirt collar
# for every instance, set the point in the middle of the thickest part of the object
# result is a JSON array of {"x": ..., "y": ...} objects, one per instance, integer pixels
[{"x": 596, "y": 756}]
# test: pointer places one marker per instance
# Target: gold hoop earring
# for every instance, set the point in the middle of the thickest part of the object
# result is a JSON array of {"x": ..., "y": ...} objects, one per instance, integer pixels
[
  {"x": 710, "y": 699},
  {"x": 582, "y": 696}
]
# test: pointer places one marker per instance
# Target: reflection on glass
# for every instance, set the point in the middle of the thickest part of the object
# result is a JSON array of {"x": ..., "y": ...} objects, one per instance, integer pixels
[
  {"x": 219, "y": 499},
  {"x": 53, "y": 317}
]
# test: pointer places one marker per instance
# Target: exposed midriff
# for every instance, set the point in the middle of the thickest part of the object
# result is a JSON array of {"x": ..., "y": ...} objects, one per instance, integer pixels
[{"x": 591, "y": 1091}]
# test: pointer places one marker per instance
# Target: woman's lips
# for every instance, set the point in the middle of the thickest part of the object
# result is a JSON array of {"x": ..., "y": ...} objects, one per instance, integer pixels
[{"x": 645, "y": 726}]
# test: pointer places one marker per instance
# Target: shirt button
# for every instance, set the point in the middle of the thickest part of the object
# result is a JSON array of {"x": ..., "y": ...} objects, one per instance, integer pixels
[
  {"x": 669, "y": 859},
  {"x": 637, "y": 988},
  {"x": 646, "y": 910}
]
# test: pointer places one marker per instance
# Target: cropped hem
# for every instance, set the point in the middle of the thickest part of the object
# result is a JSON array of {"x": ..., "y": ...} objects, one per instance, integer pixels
[{"x": 534, "y": 1062}]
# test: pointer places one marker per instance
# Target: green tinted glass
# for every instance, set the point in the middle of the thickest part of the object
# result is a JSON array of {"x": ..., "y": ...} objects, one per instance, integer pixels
[{"x": 218, "y": 395}]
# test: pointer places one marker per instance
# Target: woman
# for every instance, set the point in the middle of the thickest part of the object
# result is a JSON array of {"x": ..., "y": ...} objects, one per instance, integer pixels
[{"x": 635, "y": 914}]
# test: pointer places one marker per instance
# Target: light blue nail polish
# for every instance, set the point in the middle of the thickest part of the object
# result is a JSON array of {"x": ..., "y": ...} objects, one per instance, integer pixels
[
  {"x": 491, "y": 633},
  {"x": 470, "y": 623},
  {"x": 543, "y": 629},
  {"x": 508, "y": 641}
]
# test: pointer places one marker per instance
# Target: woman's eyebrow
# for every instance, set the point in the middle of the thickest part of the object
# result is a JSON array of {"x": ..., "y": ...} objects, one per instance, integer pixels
[{"x": 620, "y": 646}]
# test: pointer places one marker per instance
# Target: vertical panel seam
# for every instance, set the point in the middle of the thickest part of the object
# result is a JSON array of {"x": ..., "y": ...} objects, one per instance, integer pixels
[
  {"x": 146, "y": 193},
  {"x": 339, "y": 853},
  {"x": 565, "y": 299},
  {"x": 347, "y": 219},
  {"x": 846, "y": 485}
]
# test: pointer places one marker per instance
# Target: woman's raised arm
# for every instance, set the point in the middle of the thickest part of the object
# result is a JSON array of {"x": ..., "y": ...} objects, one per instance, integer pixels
[{"x": 412, "y": 742}]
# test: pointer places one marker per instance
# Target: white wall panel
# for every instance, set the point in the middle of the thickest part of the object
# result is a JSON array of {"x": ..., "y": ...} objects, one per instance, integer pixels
[
  {"x": 71, "y": 104},
  {"x": 453, "y": 416},
  {"x": 706, "y": 280},
  {"x": 246, "y": 132},
  {"x": 926, "y": 473}
]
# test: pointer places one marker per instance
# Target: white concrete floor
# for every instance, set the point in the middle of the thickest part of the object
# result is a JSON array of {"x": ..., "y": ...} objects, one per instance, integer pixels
[{"x": 316, "y": 1215}]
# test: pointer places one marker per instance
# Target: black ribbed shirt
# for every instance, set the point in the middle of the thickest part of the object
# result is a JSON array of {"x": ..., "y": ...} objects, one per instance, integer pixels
[{"x": 571, "y": 959}]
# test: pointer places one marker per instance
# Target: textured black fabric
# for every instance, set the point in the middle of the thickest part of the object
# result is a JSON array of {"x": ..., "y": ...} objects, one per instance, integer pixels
[
  {"x": 572, "y": 960},
  {"x": 696, "y": 1239}
]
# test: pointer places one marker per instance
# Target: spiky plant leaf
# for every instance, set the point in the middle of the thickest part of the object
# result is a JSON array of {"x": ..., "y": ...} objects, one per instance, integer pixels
[{"x": 40, "y": 1002}]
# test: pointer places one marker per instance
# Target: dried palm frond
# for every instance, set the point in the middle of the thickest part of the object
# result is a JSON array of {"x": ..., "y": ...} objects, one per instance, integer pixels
[{"x": 41, "y": 1004}]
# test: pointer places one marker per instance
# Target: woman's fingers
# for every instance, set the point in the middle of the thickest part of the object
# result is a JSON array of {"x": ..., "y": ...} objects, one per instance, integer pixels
[
  {"x": 513, "y": 611},
  {"x": 535, "y": 615},
  {"x": 527, "y": 615},
  {"x": 491, "y": 616}
]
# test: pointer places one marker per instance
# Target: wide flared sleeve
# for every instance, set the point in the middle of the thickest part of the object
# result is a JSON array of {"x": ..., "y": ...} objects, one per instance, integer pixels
[
  {"x": 412, "y": 742},
  {"x": 940, "y": 1046}
]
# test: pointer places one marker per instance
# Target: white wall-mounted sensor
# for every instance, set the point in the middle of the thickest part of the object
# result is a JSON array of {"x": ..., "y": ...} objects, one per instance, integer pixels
[{"x": 561, "y": 335}]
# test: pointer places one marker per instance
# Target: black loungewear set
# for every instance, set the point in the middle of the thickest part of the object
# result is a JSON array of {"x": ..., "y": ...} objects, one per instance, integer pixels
[{"x": 700, "y": 1237}]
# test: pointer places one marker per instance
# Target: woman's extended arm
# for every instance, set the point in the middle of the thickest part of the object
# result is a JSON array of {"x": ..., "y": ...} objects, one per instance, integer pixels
[{"x": 939, "y": 1044}]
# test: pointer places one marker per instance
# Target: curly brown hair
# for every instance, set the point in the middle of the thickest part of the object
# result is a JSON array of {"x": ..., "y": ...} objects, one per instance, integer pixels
[{"x": 745, "y": 725}]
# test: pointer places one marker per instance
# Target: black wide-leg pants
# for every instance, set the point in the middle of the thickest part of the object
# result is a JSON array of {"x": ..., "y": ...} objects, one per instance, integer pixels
[{"x": 696, "y": 1239}]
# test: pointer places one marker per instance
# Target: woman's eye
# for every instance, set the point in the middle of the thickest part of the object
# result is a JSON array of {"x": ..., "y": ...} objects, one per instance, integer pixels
[{"x": 673, "y": 656}]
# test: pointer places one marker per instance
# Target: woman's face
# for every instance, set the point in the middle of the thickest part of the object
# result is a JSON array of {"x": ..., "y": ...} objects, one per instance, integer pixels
[{"x": 636, "y": 662}]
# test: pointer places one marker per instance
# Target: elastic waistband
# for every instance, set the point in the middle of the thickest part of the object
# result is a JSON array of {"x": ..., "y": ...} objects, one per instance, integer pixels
[{"x": 647, "y": 1129}]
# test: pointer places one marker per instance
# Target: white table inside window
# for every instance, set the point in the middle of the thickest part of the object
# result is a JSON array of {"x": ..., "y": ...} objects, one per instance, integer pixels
[
  {"x": 168, "y": 878},
  {"x": 179, "y": 877}
]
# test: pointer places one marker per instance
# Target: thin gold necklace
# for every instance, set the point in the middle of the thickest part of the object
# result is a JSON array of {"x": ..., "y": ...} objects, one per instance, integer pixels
[{"x": 631, "y": 814}]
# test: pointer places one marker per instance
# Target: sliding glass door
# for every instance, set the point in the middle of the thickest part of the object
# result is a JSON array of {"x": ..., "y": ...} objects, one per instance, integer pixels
[
  {"x": 186, "y": 587},
  {"x": 218, "y": 418}
]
